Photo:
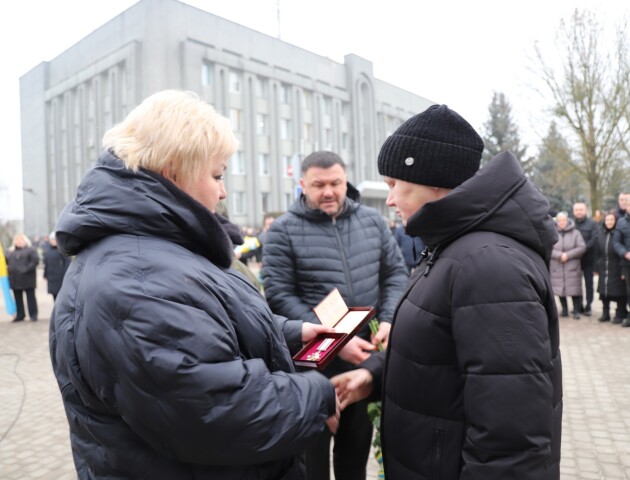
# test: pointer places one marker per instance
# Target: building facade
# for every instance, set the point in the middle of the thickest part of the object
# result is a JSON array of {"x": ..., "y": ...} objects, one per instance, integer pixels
[{"x": 283, "y": 103}]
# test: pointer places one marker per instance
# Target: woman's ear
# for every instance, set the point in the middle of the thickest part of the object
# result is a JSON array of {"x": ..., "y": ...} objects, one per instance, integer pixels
[{"x": 168, "y": 174}]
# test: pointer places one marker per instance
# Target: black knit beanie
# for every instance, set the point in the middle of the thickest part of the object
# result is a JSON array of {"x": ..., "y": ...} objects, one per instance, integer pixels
[{"x": 437, "y": 148}]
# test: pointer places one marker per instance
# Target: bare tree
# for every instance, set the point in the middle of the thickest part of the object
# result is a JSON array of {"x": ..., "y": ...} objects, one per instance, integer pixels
[{"x": 591, "y": 97}]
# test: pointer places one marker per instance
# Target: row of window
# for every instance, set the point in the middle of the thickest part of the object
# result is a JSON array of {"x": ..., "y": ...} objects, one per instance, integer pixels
[{"x": 261, "y": 90}]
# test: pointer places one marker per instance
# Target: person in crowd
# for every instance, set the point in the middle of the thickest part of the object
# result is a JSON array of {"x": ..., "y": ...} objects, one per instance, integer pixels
[
  {"x": 248, "y": 248},
  {"x": 267, "y": 221},
  {"x": 411, "y": 247},
  {"x": 471, "y": 381},
  {"x": 169, "y": 362},
  {"x": 329, "y": 240},
  {"x": 22, "y": 262},
  {"x": 241, "y": 267},
  {"x": 621, "y": 244},
  {"x": 621, "y": 204},
  {"x": 565, "y": 265},
  {"x": 588, "y": 229},
  {"x": 55, "y": 266},
  {"x": 262, "y": 238},
  {"x": 611, "y": 286}
]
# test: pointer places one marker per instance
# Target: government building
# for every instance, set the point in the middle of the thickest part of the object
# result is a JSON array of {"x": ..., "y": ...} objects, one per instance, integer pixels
[{"x": 283, "y": 102}]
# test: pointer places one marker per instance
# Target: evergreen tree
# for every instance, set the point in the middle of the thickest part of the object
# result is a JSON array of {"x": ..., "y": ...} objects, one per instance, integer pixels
[
  {"x": 501, "y": 133},
  {"x": 554, "y": 174}
]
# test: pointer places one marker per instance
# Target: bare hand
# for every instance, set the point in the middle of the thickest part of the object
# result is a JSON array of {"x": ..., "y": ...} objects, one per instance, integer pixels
[
  {"x": 333, "y": 420},
  {"x": 382, "y": 336},
  {"x": 564, "y": 257},
  {"x": 353, "y": 386},
  {"x": 627, "y": 256},
  {"x": 356, "y": 350},
  {"x": 312, "y": 330}
]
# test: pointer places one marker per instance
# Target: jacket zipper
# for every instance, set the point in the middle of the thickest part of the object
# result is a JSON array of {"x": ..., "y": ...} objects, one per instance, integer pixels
[
  {"x": 344, "y": 261},
  {"x": 436, "y": 456}
]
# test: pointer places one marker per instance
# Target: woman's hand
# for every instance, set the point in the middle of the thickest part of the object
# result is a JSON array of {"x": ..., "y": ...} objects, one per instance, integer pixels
[{"x": 312, "y": 330}]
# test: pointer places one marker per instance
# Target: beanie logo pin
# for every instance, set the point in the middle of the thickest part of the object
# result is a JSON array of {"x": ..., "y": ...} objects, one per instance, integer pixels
[{"x": 409, "y": 161}]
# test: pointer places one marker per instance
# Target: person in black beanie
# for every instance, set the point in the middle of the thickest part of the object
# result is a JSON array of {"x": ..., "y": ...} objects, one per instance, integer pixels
[{"x": 471, "y": 382}]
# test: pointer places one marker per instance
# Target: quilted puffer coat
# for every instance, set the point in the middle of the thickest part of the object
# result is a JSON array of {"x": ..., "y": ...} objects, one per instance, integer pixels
[
  {"x": 170, "y": 364},
  {"x": 472, "y": 379},
  {"x": 566, "y": 278},
  {"x": 307, "y": 253}
]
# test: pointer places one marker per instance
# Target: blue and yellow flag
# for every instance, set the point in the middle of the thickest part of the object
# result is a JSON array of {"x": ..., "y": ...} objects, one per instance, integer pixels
[{"x": 9, "y": 301}]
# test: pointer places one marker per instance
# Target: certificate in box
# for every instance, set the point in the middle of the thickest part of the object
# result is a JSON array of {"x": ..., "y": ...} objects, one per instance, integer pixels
[{"x": 333, "y": 312}]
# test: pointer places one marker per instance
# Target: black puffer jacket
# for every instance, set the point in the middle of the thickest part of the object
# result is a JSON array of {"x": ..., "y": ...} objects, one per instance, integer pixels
[
  {"x": 608, "y": 266},
  {"x": 55, "y": 266},
  {"x": 308, "y": 253},
  {"x": 588, "y": 228},
  {"x": 22, "y": 264},
  {"x": 621, "y": 239},
  {"x": 170, "y": 364},
  {"x": 473, "y": 385}
]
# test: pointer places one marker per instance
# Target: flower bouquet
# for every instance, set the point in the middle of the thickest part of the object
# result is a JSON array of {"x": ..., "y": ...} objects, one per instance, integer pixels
[{"x": 374, "y": 412}]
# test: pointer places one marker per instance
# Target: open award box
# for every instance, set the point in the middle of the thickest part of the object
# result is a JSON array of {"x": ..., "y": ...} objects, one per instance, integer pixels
[{"x": 333, "y": 312}]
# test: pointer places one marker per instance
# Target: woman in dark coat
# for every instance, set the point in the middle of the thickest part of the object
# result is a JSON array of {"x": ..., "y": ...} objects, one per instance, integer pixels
[
  {"x": 170, "y": 363},
  {"x": 22, "y": 263},
  {"x": 55, "y": 266},
  {"x": 611, "y": 287},
  {"x": 565, "y": 268}
]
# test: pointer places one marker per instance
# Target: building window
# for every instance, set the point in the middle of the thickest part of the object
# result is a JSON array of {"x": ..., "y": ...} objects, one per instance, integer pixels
[
  {"x": 238, "y": 163},
  {"x": 307, "y": 132},
  {"x": 240, "y": 203},
  {"x": 261, "y": 124},
  {"x": 344, "y": 141},
  {"x": 265, "y": 197},
  {"x": 260, "y": 87},
  {"x": 287, "y": 166},
  {"x": 284, "y": 93},
  {"x": 288, "y": 200},
  {"x": 207, "y": 74},
  {"x": 345, "y": 111},
  {"x": 285, "y": 128},
  {"x": 235, "y": 82},
  {"x": 327, "y": 105},
  {"x": 308, "y": 100},
  {"x": 235, "y": 119},
  {"x": 328, "y": 138},
  {"x": 263, "y": 164}
]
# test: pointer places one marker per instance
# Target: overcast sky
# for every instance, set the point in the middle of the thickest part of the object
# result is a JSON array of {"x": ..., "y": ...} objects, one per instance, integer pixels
[{"x": 456, "y": 52}]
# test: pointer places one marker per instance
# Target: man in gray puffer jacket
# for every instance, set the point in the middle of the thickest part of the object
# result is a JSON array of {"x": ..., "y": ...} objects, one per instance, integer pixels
[{"x": 328, "y": 239}]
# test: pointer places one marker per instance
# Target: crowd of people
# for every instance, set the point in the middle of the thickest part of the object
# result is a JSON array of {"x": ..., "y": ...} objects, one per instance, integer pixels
[
  {"x": 174, "y": 362},
  {"x": 23, "y": 258},
  {"x": 590, "y": 248}
]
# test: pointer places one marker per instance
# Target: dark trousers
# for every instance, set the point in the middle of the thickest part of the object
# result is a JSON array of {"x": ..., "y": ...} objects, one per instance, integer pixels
[
  {"x": 621, "y": 311},
  {"x": 588, "y": 284},
  {"x": 577, "y": 303},
  {"x": 350, "y": 450},
  {"x": 30, "y": 300}
]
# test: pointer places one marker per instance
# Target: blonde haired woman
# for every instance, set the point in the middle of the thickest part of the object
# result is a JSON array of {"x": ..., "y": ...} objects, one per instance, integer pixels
[
  {"x": 22, "y": 261},
  {"x": 170, "y": 363}
]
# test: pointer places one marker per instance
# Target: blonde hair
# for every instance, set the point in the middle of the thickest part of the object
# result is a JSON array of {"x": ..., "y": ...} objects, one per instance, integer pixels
[
  {"x": 172, "y": 131},
  {"x": 27, "y": 242}
]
